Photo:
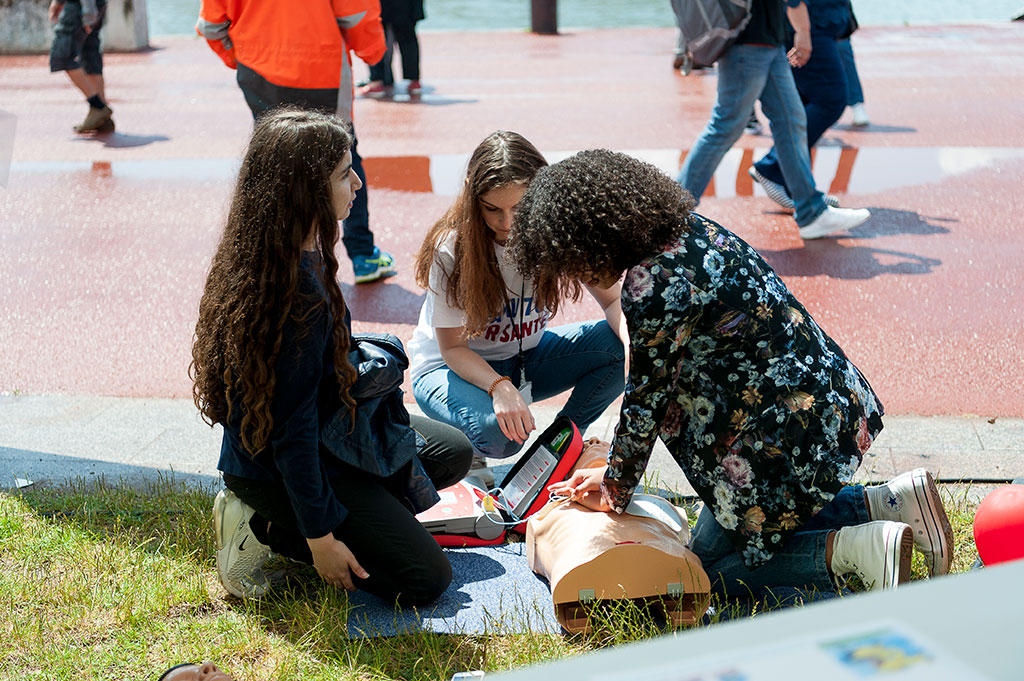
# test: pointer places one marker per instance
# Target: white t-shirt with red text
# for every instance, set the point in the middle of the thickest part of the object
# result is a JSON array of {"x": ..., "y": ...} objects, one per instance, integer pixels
[{"x": 500, "y": 339}]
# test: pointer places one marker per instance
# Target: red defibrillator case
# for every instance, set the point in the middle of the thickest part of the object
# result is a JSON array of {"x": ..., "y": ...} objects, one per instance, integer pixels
[{"x": 470, "y": 516}]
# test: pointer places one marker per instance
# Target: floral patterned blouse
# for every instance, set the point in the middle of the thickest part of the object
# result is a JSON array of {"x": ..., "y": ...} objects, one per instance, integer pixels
[{"x": 761, "y": 409}]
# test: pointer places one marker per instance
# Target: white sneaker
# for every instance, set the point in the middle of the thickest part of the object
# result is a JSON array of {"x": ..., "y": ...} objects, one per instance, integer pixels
[
  {"x": 914, "y": 499},
  {"x": 878, "y": 552},
  {"x": 480, "y": 474},
  {"x": 834, "y": 220},
  {"x": 240, "y": 556},
  {"x": 860, "y": 116}
]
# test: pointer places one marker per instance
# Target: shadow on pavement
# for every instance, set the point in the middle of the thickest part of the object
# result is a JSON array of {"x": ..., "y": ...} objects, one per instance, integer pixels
[
  {"x": 117, "y": 140},
  {"x": 874, "y": 127},
  {"x": 887, "y": 222},
  {"x": 46, "y": 469},
  {"x": 381, "y": 302},
  {"x": 841, "y": 261}
]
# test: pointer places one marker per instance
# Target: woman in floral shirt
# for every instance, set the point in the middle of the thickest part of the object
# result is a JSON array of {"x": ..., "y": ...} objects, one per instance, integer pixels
[{"x": 767, "y": 417}]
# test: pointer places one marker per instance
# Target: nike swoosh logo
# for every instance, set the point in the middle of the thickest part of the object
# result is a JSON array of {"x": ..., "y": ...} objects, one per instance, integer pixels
[{"x": 241, "y": 547}]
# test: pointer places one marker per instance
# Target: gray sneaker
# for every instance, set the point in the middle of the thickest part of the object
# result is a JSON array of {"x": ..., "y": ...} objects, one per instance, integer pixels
[
  {"x": 240, "y": 556},
  {"x": 878, "y": 552},
  {"x": 777, "y": 193}
]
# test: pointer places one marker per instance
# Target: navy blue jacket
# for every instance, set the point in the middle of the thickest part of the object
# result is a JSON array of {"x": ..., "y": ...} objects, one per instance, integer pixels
[{"x": 306, "y": 395}]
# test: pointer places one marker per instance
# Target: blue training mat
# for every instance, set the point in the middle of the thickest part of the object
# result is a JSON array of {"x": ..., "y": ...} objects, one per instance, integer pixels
[{"x": 493, "y": 591}]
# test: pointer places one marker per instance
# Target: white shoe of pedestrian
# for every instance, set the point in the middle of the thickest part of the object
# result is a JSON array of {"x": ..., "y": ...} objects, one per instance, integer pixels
[
  {"x": 914, "y": 499},
  {"x": 240, "y": 556},
  {"x": 834, "y": 220},
  {"x": 860, "y": 116},
  {"x": 878, "y": 552}
]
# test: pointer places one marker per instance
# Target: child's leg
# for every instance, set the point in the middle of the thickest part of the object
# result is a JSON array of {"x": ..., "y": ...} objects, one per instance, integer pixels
[{"x": 86, "y": 83}]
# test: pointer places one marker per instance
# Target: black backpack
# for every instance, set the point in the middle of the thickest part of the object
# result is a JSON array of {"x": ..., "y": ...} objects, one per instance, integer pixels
[{"x": 710, "y": 26}]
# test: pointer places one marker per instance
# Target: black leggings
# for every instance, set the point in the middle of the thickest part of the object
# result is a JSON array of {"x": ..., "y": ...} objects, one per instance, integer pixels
[{"x": 404, "y": 561}]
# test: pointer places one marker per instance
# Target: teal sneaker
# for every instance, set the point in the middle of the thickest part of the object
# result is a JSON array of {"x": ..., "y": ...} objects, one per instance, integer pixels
[{"x": 377, "y": 265}]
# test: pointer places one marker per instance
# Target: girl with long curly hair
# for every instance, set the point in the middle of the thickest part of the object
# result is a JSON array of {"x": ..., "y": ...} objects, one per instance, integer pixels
[
  {"x": 483, "y": 348},
  {"x": 271, "y": 364},
  {"x": 764, "y": 413}
]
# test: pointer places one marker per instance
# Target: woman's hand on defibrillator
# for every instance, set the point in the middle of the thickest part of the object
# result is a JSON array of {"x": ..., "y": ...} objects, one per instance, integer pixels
[
  {"x": 335, "y": 562},
  {"x": 514, "y": 416}
]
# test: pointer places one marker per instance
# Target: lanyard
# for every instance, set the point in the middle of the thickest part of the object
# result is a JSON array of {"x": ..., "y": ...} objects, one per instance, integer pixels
[{"x": 519, "y": 335}]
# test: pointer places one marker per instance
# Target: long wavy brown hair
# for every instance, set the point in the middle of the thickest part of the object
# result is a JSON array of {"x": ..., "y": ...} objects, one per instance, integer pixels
[
  {"x": 475, "y": 284},
  {"x": 283, "y": 195}
]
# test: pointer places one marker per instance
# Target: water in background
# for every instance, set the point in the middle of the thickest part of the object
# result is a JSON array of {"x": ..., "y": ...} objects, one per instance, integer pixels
[{"x": 176, "y": 17}]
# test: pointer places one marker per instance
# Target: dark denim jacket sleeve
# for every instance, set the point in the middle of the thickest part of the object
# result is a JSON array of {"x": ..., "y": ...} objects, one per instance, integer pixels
[
  {"x": 380, "y": 363},
  {"x": 377, "y": 437}
]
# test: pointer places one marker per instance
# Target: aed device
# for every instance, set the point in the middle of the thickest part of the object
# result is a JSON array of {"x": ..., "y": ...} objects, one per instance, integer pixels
[{"x": 469, "y": 516}]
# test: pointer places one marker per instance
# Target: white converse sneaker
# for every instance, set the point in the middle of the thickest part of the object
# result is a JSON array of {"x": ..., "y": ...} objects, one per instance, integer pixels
[
  {"x": 878, "y": 552},
  {"x": 860, "y": 116},
  {"x": 834, "y": 220},
  {"x": 240, "y": 556},
  {"x": 914, "y": 499}
]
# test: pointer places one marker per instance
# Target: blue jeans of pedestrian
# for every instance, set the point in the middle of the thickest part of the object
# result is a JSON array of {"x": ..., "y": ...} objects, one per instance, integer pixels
[
  {"x": 854, "y": 92},
  {"x": 747, "y": 73},
  {"x": 799, "y": 564},
  {"x": 821, "y": 83},
  {"x": 355, "y": 229},
  {"x": 586, "y": 356}
]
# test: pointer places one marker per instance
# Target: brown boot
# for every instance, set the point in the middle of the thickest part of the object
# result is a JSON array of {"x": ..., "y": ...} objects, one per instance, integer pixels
[{"x": 94, "y": 120}]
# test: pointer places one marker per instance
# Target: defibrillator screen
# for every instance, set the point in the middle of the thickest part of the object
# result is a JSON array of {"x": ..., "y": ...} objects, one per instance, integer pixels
[{"x": 529, "y": 480}]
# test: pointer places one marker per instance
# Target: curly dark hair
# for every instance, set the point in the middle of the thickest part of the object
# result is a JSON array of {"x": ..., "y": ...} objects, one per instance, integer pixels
[
  {"x": 283, "y": 196},
  {"x": 595, "y": 214}
]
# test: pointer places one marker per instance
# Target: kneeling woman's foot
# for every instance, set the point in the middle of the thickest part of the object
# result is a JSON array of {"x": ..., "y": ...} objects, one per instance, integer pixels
[
  {"x": 878, "y": 552},
  {"x": 240, "y": 556},
  {"x": 480, "y": 473}
]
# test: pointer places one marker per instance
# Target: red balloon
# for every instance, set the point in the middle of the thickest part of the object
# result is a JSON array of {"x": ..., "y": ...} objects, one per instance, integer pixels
[{"x": 999, "y": 525}]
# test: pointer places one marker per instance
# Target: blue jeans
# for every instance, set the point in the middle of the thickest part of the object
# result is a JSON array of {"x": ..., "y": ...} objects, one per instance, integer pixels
[
  {"x": 355, "y": 230},
  {"x": 586, "y": 356},
  {"x": 747, "y": 73},
  {"x": 821, "y": 83},
  {"x": 854, "y": 92},
  {"x": 800, "y": 563}
]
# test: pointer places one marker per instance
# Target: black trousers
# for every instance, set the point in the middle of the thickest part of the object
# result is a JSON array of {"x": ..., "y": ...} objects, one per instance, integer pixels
[
  {"x": 408, "y": 44},
  {"x": 404, "y": 561}
]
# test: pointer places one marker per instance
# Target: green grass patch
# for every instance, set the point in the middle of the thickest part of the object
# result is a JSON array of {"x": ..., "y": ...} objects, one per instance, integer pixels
[{"x": 103, "y": 580}]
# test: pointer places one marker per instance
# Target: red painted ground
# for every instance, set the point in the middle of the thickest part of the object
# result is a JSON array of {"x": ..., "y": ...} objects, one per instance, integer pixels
[{"x": 103, "y": 259}]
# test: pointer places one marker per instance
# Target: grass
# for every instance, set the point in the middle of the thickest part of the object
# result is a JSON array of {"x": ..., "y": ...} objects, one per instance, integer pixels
[{"x": 107, "y": 581}]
